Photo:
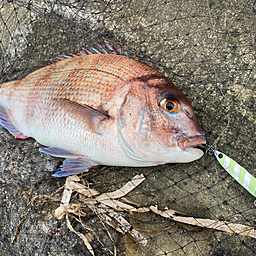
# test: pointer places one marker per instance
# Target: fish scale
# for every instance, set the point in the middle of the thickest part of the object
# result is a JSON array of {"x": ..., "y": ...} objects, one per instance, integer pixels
[
  {"x": 92, "y": 80},
  {"x": 104, "y": 109}
]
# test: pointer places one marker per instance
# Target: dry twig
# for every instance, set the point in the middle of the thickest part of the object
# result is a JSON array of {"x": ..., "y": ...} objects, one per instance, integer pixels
[{"x": 105, "y": 206}]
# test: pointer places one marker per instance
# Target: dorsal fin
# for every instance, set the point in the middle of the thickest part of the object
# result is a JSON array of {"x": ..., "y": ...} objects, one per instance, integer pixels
[{"x": 96, "y": 49}]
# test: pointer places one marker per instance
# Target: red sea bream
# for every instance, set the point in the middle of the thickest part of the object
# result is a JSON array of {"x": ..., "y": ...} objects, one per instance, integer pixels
[{"x": 99, "y": 107}]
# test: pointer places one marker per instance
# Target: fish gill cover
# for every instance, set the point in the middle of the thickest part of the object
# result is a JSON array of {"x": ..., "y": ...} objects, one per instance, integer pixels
[{"x": 207, "y": 48}]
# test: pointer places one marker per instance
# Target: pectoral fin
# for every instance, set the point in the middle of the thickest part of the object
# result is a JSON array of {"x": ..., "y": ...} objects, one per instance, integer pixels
[
  {"x": 87, "y": 115},
  {"x": 74, "y": 166}
]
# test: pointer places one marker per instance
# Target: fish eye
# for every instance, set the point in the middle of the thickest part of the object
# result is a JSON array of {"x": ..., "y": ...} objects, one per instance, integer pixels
[{"x": 169, "y": 104}]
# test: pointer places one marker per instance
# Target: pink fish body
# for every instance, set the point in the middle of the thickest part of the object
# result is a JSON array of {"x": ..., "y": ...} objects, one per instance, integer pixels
[{"x": 102, "y": 109}]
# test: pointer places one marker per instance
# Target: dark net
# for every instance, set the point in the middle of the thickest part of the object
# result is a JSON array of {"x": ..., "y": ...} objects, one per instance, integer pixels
[{"x": 207, "y": 48}]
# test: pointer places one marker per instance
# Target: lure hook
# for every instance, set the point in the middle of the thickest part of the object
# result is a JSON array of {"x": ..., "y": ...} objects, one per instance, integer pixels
[{"x": 210, "y": 149}]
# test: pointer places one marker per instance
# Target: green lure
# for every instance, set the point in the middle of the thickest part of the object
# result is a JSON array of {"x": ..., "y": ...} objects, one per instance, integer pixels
[{"x": 242, "y": 176}]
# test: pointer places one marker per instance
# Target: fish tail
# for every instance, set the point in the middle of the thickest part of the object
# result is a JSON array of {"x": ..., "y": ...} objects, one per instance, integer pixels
[
  {"x": 5, "y": 114},
  {"x": 5, "y": 90}
]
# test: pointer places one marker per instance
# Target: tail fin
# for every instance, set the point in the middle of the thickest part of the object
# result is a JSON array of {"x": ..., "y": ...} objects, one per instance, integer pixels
[
  {"x": 7, "y": 123},
  {"x": 5, "y": 116}
]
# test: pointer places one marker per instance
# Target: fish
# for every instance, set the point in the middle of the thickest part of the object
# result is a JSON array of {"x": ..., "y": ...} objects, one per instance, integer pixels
[{"x": 101, "y": 107}]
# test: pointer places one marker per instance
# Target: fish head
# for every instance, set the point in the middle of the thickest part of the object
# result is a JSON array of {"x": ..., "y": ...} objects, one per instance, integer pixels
[{"x": 158, "y": 124}]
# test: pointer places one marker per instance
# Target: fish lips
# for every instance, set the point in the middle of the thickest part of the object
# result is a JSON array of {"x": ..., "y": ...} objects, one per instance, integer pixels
[{"x": 189, "y": 144}]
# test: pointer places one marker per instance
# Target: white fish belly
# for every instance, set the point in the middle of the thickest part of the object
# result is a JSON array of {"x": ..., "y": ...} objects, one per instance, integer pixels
[{"x": 53, "y": 127}]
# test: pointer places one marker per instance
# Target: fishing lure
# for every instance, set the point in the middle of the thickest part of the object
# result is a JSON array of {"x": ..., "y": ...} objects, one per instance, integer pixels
[{"x": 242, "y": 176}]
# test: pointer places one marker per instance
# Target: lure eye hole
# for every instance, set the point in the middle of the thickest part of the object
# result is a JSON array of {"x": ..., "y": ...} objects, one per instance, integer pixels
[
  {"x": 170, "y": 105},
  {"x": 220, "y": 156}
]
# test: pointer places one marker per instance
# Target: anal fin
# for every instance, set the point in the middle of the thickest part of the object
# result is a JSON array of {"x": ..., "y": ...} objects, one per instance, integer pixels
[
  {"x": 74, "y": 166},
  {"x": 6, "y": 122}
]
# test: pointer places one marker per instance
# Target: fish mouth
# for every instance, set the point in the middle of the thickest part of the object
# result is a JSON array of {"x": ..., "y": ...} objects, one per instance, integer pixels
[{"x": 189, "y": 143}]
